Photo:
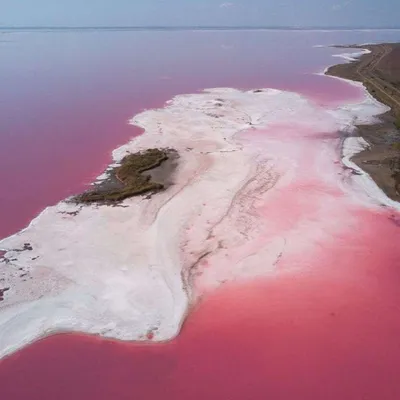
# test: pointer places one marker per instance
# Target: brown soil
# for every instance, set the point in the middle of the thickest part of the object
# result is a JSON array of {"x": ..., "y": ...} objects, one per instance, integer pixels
[{"x": 379, "y": 71}]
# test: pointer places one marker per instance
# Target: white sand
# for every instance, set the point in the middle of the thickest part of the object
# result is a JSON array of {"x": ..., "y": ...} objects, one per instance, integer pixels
[{"x": 125, "y": 271}]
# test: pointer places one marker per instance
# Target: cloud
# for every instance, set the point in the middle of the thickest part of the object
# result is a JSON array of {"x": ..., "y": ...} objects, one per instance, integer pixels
[{"x": 226, "y": 5}]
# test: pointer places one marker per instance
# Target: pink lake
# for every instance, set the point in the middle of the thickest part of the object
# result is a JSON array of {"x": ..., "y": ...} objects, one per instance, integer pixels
[{"x": 328, "y": 330}]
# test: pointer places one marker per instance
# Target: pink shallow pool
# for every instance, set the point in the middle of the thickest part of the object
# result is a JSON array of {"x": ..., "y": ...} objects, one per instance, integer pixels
[{"x": 327, "y": 327}]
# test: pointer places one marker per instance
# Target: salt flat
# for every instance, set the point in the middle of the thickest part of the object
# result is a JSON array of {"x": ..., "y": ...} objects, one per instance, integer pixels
[{"x": 258, "y": 180}]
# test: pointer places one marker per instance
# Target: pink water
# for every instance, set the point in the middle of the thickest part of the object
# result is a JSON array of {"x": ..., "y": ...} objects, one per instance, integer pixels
[
  {"x": 327, "y": 328},
  {"x": 67, "y": 97}
]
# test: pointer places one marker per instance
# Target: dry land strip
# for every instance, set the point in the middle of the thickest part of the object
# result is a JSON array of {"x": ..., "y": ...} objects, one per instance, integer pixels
[{"x": 379, "y": 71}]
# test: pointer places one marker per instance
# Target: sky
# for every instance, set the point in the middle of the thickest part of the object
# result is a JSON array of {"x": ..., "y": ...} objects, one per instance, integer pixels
[{"x": 300, "y": 13}]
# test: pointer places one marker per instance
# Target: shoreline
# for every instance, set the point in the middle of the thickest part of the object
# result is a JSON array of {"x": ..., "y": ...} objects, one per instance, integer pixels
[{"x": 377, "y": 156}]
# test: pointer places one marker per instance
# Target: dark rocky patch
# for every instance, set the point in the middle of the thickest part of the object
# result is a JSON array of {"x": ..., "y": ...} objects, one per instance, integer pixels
[
  {"x": 2, "y": 291},
  {"x": 128, "y": 179}
]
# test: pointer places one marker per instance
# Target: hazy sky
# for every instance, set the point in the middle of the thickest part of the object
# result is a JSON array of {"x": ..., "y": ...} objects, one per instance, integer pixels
[{"x": 374, "y": 13}]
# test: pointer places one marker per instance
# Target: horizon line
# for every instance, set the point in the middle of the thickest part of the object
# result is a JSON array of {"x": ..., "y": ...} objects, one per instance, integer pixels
[{"x": 195, "y": 27}]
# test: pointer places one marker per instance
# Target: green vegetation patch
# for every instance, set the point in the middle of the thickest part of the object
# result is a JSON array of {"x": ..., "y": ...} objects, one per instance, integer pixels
[{"x": 128, "y": 179}]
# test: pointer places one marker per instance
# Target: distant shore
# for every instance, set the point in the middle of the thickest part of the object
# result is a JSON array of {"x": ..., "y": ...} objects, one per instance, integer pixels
[{"x": 379, "y": 71}]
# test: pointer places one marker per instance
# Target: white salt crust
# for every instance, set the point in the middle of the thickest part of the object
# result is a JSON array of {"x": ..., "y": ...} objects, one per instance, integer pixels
[
  {"x": 353, "y": 56},
  {"x": 123, "y": 272}
]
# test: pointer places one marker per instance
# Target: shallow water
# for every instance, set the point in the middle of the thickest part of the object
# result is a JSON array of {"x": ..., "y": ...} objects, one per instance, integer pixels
[{"x": 325, "y": 325}]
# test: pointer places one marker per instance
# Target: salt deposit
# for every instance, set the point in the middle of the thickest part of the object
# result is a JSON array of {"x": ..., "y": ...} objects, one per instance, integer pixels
[{"x": 353, "y": 56}]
